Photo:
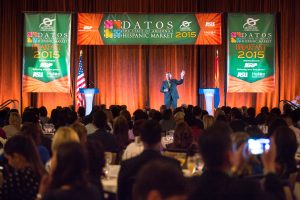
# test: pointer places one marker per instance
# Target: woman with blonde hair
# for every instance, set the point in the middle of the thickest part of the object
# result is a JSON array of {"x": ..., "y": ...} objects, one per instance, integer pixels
[
  {"x": 14, "y": 125},
  {"x": 208, "y": 121},
  {"x": 62, "y": 135}
]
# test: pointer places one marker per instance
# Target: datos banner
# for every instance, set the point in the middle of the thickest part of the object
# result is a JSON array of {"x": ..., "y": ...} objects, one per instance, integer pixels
[
  {"x": 149, "y": 29},
  {"x": 46, "y": 52},
  {"x": 251, "y": 53}
]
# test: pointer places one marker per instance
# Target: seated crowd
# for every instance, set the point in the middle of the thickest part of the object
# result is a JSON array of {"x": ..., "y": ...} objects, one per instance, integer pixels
[{"x": 177, "y": 154}]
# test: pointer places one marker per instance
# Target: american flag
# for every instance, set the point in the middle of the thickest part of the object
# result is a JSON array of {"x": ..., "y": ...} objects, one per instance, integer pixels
[{"x": 80, "y": 83}]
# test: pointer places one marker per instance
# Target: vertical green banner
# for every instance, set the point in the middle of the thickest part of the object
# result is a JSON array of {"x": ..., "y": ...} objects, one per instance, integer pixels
[
  {"x": 251, "y": 53},
  {"x": 46, "y": 52}
]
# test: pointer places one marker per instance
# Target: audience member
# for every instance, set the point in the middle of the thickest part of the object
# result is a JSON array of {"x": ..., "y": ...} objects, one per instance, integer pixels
[
  {"x": 136, "y": 147},
  {"x": 167, "y": 123},
  {"x": 23, "y": 182},
  {"x": 183, "y": 137},
  {"x": 215, "y": 183},
  {"x": 151, "y": 138},
  {"x": 160, "y": 180},
  {"x": 34, "y": 132},
  {"x": 96, "y": 163},
  {"x": 14, "y": 125},
  {"x": 101, "y": 134},
  {"x": 208, "y": 121},
  {"x": 43, "y": 115},
  {"x": 120, "y": 130},
  {"x": 80, "y": 129},
  {"x": 68, "y": 179}
]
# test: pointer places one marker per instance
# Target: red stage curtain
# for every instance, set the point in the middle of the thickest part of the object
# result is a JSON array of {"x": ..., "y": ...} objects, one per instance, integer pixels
[{"x": 132, "y": 74}]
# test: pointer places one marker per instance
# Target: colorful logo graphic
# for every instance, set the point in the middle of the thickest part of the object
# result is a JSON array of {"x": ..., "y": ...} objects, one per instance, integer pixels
[
  {"x": 32, "y": 37},
  {"x": 112, "y": 28},
  {"x": 236, "y": 37}
]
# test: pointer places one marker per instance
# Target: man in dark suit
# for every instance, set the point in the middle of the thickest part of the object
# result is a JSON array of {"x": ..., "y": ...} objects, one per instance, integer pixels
[
  {"x": 216, "y": 183},
  {"x": 151, "y": 137},
  {"x": 169, "y": 88},
  {"x": 107, "y": 139}
]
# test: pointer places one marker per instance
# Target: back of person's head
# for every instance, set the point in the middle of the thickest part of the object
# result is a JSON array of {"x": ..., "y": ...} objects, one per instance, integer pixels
[
  {"x": 208, "y": 121},
  {"x": 43, "y": 111},
  {"x": 156, "y": 115},
  {"x": 126, "y": 114},
  {"x": 109, "y": 115},
  {"x": 29, "y": 116},
  {"x": 264, "y": 110},
  {"x": 197, "y": 111},
  {"x": 96, "y": 160},
  {"x": 120, "y": 130},
  {"x": 137, "y": 127},
  {"x": 275, "y": 125},
  {"x": 63, "y": 135},
  {"x": 81, "y": 111},
  {"x": 204, "y": 113},
  {"x": 24, "y": 146},
  {"x": 159, "y": 179},
  {"x": 286, "y": 146},
  {"x": 238, "y": 125},
  {"x": 167, "y": 114},
  {"x": 70, "y": 166},
  {"x": 115, "y": 109},
  {"x": 183, "y": 137},
  {"x": 151, "y": 132},
  {"x": 236, "y": 113},
  {"x": 81, "y": 130},
  {"x": 3, "y": 116},
  {"x": 251, "y": 112},
  {"x": 178, "y": 109},
  {"x": 15, "y": 119},
  {"x": 33, "y": 131},
  {"x": 139, "y": 114},
  {"x": 179, "y": 117},
  {"x": 100, "y": 119},
  {"x": 214, "y": 144},
  {"x": 276, "y": 111},
  {"x": 221, "y": 118},
  {"x": 219, "y": 112},
  {"x": 162, "y": 108}
]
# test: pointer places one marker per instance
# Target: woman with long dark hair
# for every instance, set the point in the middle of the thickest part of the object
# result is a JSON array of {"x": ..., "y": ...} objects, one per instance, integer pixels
[
  {"x": 23, "y": 181},
  {"x": 68, "y": 178}
]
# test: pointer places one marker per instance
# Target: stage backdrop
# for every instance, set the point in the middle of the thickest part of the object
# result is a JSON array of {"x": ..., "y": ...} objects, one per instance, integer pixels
[
  {"x": 149, "y": 29},
  {"x": 251, "y": 53},
  {"x": 46, "y": 52}
]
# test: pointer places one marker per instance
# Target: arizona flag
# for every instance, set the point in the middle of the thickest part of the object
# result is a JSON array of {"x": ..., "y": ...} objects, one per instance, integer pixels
[
  {"x": 217, "y": 83},
  {"x": 80, "y": 83}
]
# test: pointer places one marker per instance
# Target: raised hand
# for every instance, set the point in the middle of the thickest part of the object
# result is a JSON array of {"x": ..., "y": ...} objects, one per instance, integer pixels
[{"x": 182, "y": 74}]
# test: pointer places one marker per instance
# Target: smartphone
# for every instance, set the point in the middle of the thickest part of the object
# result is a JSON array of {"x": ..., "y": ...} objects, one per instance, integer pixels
[{"x": 258, "y": 146}]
